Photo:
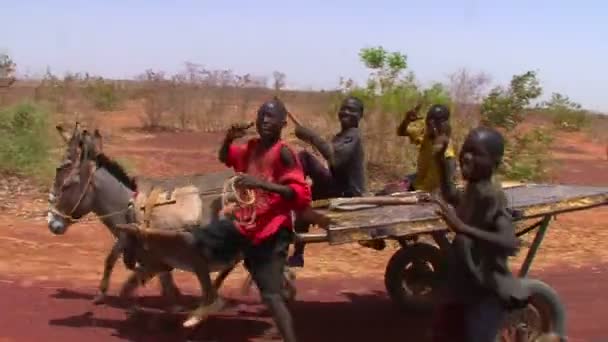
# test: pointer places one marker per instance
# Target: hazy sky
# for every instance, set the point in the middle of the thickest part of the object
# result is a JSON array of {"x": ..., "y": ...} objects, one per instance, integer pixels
[{"x": 315, "y": 42}]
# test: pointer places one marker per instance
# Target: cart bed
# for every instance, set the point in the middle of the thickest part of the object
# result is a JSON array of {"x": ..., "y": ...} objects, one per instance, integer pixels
[{"x": 530, "y": 200}]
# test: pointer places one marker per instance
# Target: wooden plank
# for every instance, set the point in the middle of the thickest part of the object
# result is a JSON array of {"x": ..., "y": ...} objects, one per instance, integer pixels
[{"x": 406, "y": 220}]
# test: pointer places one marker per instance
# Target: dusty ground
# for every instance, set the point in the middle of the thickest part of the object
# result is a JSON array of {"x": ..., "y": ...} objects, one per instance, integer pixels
[{"x": 47, "y": 281}]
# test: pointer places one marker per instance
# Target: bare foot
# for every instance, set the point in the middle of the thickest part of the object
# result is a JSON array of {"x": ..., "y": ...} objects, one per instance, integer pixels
[{"x": 201, "y": 313}]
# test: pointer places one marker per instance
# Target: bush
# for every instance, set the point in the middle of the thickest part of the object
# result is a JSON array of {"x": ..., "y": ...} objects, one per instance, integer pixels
[
  {"x": 104, "y": 95},
  {"x": 25, "y": 142},
  {"x": 567, "y": 114},
  {"x": 526, "y": 157}
]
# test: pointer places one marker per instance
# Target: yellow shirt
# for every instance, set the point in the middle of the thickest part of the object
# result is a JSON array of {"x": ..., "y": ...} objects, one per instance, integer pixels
[{"x": 427, "y": 173}]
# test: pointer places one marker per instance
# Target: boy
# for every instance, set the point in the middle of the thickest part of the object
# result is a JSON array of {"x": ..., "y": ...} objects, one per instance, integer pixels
[
  {"x": 345, "y": 176},
  {"x": 480, "y": 286},
  {"x": 272, "y": 170},
  {"x": 437, "y": 119}
]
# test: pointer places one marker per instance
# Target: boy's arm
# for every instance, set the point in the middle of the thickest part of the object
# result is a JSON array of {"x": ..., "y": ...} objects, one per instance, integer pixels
[
  {"x": 235, "y": 131},
  {"x": 404, "y": 128},
  {"x": 502, "y": 237},
  {"x": 310, "y": 136},
  {"x": 291, "y": 183},
  {"x": 447, "y": 170}
]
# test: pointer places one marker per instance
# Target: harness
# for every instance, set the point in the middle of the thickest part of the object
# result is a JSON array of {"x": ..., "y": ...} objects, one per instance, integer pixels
[{"x": 69, "y": 216}]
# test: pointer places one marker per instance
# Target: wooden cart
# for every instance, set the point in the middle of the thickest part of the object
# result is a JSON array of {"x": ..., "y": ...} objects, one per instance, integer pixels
[{"x": 416, "y": 268}]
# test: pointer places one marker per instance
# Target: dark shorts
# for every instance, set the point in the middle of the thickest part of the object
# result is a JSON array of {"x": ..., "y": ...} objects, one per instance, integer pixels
[
  {"x": 265, "y": 261},
  {"x": 479, "y": 320}
]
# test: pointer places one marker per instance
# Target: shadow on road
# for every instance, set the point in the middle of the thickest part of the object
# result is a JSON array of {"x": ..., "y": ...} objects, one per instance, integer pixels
[{"x": 360, "y": 317}]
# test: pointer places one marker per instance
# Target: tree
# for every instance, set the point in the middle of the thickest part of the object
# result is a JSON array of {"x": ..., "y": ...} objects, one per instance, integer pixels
[
  {"x": 279, "y": 80},
  {"x": 386, "y": 66},
  {"x": 7, "y": 70},
  {"x": 504, "y": 107}
]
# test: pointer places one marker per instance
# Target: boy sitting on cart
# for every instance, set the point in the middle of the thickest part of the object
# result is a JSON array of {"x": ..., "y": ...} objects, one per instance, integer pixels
[
  {"x": 426, "y": 177},
  {"x": 480, "y": 287},
  {"x": 345, "y": 176}
]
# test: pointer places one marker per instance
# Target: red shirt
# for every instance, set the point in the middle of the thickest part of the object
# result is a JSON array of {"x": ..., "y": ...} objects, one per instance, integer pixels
[{"x": 271, "y": 209}]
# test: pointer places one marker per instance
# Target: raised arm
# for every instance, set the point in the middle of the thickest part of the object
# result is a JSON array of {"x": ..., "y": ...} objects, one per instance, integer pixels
[
  {"x": 447, "y": 168},
  {"x": 311, "y": 137},
  {"x": 235, "y": 131},
  {"x": 404, "y": 128}
]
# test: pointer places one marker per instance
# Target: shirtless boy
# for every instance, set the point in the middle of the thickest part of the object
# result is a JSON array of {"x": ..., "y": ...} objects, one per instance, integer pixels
[{"x": 480, "y": 286}]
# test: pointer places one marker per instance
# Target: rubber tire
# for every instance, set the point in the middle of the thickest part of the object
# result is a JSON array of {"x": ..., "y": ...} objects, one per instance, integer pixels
[
  {"x": 547, "y": 302},
  {"x": 393, "y": 275}
]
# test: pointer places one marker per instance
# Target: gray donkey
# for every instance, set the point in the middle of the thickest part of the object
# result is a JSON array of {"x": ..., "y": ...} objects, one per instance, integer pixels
[{"x": 88, "y": 181}]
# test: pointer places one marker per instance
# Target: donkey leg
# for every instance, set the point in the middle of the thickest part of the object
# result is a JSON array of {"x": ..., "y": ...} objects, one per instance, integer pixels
[
  {"x": 223, "y": 274},
  {"x": 107, "y": 270},
  {"x": 170, "y": 291},
  {"x": 139, "y": 277},
  {"x": 211, "y": 302}
]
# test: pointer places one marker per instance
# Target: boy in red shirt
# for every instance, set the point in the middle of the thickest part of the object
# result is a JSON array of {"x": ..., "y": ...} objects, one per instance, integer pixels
[{"x": 270, "y": 168}]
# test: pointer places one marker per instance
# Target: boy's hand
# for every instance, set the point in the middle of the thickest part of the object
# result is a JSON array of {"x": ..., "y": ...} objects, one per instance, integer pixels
[
  {"x": 248, "y": 182},
  {"x": 442, "y": 139},
  {"x": 448, "y": 214},
  {"x": 412, "y": 114},
  {"x": 237, "y": 131}
]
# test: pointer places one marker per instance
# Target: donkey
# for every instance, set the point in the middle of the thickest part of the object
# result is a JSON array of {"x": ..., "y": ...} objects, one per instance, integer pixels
[{"x": 88, "y": 181}]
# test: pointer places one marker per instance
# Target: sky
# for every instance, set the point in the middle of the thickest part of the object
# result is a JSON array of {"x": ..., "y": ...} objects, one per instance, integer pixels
[{"x": 315, "y": 42}]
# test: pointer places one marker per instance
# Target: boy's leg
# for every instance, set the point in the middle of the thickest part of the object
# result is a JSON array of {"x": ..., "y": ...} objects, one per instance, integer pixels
[
  {"x": 297, "y": 258},
  {"x": 266, "y": 263},
  {"x": 484, "y": 319}
]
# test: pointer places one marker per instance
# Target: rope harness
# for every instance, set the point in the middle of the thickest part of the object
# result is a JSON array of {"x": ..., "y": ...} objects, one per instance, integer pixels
[
  {"x": 244, "y": 199},
  {"x": 69, "y": 216}
]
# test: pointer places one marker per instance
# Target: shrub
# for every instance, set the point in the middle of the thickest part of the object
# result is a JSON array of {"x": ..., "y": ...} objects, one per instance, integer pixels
[
  {"x": 567, "y": 114},
  {"x": 104, "y": 95},
  {"x": 25, "y": 141}
]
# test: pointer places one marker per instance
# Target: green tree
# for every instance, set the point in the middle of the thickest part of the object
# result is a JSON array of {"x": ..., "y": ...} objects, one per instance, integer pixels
[{"x": 504, "y": 107}]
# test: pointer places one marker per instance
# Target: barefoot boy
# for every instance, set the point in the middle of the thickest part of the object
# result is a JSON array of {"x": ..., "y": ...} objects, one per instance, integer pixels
[
  {"x": 480, "y": 285},
  {"x": 272, "y": 170}
]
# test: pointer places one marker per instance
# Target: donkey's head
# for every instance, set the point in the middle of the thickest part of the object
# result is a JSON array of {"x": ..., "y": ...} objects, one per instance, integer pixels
[{"x": 71, "y": 195}]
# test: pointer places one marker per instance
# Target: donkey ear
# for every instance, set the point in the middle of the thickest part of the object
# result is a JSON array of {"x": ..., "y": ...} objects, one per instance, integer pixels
[
  {"x": 97, "y": 142},
  {"x": 62, "y": 133}
]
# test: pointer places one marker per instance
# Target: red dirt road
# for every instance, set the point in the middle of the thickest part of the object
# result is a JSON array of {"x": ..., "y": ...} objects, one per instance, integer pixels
[{"x": 353, "y": 309}]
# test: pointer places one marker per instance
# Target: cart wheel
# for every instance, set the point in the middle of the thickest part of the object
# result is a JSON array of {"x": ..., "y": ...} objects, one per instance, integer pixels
[
  {"x": 544, "y": 315},
  {"x": 412, "y": 274}
]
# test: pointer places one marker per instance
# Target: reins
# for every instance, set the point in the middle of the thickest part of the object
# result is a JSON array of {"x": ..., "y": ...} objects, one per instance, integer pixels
[{"x": 54, "y": 210}]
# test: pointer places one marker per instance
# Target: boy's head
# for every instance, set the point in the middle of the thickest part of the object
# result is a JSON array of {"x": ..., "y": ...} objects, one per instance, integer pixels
[
  {"x": 437, "y": 120},
  {"x": 481, "y": 153},
  {"x": 351, "y": 112},
  {"x": 271, "y": 118}
]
